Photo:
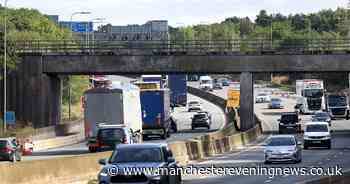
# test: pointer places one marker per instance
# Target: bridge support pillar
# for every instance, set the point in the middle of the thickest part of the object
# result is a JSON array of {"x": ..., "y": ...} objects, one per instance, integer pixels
[
  {"x": 246, "y": 101},
  {"x": 38, "y": 95}
]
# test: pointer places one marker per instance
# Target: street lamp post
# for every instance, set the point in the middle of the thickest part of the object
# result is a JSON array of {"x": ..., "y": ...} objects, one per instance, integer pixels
[
  {"x": 5, "y": 63},
  {"x": 69, "y": 85},
  {"x": 183, "y": 34},
  {"x": 95, "y": 20}
]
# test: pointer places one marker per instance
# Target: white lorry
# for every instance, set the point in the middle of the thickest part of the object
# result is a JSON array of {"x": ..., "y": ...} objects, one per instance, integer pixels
[
  {"x": 118, "y": 104},
  {"x": 310, "y": 96},
  {"x": 206, "y": 83}
]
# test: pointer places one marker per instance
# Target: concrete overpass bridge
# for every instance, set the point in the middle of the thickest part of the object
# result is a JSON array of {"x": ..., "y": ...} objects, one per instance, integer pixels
[{"x": 35, "y": 89}]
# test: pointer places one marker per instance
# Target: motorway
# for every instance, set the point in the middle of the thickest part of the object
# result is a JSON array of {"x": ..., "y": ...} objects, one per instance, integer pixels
[
  {"x": 252, "y": 156},
  {"x": 180, "y": 114},
  {"x": 248, "y": 156}
]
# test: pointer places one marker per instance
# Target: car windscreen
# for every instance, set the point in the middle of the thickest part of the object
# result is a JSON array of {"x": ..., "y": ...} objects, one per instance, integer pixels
[
  {"x": 323, "y": 115},
  {"x": 316, "y": 128},
  {"x": 290, "y": 118},
  {"x": 136, "y": 155},
  {"x": 3, "y": 144},
  {"x": 281, "y": 141},
  {"x": 275, "y": 100},
  {"x": 111, "y": 134},
  {"x": 199, "y": 116},
  {"x": 314, "y": 93}
]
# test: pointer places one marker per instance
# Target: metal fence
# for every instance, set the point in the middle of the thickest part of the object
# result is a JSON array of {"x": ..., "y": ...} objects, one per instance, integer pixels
[{"x": 186, "y": 47}]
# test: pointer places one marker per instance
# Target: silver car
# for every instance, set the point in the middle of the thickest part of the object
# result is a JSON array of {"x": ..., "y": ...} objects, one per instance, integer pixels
[{"x": 282, "y": 148}]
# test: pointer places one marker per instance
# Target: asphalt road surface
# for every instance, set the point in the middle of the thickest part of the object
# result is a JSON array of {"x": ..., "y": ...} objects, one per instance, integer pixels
[{"x": 252, "y": 156}]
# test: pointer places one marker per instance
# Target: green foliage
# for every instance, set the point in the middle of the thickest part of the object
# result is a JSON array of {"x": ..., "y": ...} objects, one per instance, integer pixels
[
  {"x": 78, "y": 85},
  {"x": 325, "y": 24},
  {"x": 26, "y": 24}
]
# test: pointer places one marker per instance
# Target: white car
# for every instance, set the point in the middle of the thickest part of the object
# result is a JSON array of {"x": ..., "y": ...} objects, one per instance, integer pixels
[
  {"x": 262, "y": 98},
  {"x": 194, "y": 106},
  {"x": 317, "y": 134}
]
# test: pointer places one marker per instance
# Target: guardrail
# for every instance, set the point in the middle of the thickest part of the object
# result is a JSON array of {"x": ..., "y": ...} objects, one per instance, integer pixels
[{"x": 185, "y": 47}]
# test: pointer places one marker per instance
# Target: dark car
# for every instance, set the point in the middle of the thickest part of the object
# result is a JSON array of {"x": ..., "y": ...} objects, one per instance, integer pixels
[
  {"x": 217, "y": 85},
  {"x": 289, "y": 123},
  {"x": 110, "y": 135},
  {"x": 275, "y": 103},
  {"x": 9, "y": 150},
  {"x": 322, "y": 117},
  {"x": 201, "y": 119},
  {"x": 140, "y": 157},
  {"x": 225, "y": 82}
]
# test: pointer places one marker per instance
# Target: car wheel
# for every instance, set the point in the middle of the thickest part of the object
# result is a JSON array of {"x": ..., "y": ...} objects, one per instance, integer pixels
[
  {"x": 92, "y": 149},
  {"x": 267, "y": 162},
  {"x": 163, "y": 136},
  {"x": 168, "y": 134},
  {"x": 208, "y": 127},
  {"x": 192, "y": 128},
  {"x": 144, "y": 137}
]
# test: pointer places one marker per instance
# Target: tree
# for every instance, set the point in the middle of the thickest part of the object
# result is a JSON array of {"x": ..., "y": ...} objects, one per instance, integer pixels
[{"x": 263, "y": 19}]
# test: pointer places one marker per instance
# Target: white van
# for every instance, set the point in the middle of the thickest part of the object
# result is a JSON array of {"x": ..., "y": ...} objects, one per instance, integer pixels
[
  {"x": 317, "y": 134},
  {"x": 206, "y": 82}
]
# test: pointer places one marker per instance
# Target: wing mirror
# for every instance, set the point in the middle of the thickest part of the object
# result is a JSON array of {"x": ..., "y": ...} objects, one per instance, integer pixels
[{"x": 102, "y": 162}]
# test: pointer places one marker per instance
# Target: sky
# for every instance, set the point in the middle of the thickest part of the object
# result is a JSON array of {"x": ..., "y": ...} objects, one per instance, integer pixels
[{"x": 177, "y": 12}]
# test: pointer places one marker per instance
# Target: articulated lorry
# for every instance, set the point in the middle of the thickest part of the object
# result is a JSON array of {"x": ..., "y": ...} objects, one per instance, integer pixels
[
  {"x": 310, "y": 96},
  {"x": 118, "y": 104},
  {"x": 178, "y": 89},
  {"x": 338, "y": 105},
  {"x": 155, "y": 105}
]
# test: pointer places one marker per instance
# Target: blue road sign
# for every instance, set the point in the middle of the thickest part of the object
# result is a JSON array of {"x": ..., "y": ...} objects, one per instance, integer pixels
[
  {"x": 10, "y": 117},
  {"x": 78, "y": 27}
]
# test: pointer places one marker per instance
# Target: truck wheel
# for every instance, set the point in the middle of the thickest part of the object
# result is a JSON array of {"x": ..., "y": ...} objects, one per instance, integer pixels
[{"x": 144, "y": 137}]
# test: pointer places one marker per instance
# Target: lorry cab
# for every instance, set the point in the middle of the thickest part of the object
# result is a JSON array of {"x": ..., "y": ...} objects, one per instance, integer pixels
[
  {"x": 338, "y": 106},
  {"x": 310, "y": 96},
  {"x": 206, "y": 83}
]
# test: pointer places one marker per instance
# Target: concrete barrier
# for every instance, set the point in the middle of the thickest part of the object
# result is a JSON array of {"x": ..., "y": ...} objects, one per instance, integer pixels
[
  {"x": 54, "y": 171},
  {"x": 58, "y": 142}
]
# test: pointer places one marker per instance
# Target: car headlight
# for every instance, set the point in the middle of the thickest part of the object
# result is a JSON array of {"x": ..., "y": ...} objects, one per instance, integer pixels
[{"x": 104, "y": 172}]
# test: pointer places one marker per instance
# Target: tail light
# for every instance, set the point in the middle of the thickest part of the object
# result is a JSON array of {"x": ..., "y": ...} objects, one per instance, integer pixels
[
  {"x": 125, "y": 141},
  {"x": 158, "y": 119}
]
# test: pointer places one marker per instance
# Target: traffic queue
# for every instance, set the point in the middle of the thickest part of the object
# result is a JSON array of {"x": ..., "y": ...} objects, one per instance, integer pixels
[{"x": 131, "y": 112}]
